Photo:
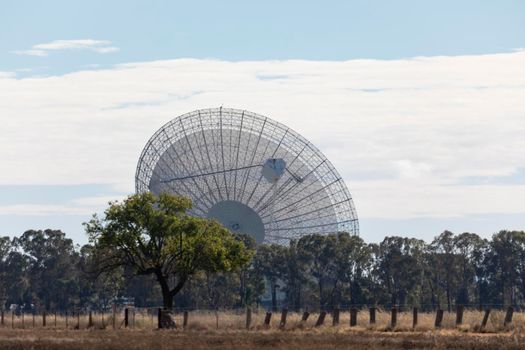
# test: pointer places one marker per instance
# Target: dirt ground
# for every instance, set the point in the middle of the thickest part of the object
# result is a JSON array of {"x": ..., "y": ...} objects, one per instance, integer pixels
[{"x": 11, "y": 339}]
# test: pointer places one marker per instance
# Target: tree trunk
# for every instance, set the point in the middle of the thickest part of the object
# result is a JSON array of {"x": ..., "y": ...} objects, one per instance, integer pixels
[
  {"x": 448, "y": 298},
  {"x": 273, "y": 288},
  {"x": 480, "y": 299},
  {"x": 334, "y": 296},
  {"x": 502, "y": 291},
  {"x": 321, "y": 301},
  {"x": 351, "y": 287},
  {"x": 297, "y": 298},
  {"x": 522, "y": 287},
  {"x": 167, "y": 297},
  {"x": 432, "y": 294},
  {"x": 393, "y": 298},
  {"x": 242, "y": 289}
]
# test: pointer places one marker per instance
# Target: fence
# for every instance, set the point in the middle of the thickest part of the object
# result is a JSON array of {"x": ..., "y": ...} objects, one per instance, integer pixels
[{"x": 488, "y": 319}]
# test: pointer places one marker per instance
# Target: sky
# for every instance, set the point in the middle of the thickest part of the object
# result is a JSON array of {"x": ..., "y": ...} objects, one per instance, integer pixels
[{"x": 418, "y": 104}]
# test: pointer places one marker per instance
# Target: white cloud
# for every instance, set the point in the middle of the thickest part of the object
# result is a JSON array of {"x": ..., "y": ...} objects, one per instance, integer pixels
[
  {"x": 99, "y": 46},
  {"x": 106, "y": 49},
  {"x": 5, "y": 75},
  {"x": 403, "y": 133},
  {"x": 24, "y": 70},
  {"x": 397, "y": 199},
  {"x": 41, "y": 210},
  {"x": 31, "y": 52},
  {"x": 72, "y": 44},
  {"x": 95, "y": 202},
  {"x": 80, "y": 206}
]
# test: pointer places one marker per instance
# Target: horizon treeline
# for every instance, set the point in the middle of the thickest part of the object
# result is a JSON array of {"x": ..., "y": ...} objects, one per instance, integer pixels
[{"x": 45, "y": 270}]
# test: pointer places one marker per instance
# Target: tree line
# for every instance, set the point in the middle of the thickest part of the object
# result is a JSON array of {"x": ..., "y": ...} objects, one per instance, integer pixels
[
  {"x": 146, "y": 248},
  {"x": 340, "y": 270}
]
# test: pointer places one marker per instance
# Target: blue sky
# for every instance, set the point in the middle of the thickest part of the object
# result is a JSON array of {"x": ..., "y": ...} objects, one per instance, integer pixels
[
  {"x": 84, "y": 85},
  {"x": 257, "y": 30}
]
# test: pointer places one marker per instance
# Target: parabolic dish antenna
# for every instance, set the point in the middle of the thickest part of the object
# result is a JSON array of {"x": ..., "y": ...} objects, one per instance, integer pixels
[{"x": 253, "y": 174}]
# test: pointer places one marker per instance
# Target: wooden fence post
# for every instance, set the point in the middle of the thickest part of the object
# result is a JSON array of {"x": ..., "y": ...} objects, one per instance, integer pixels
[
  {"x": 414, "y": 317},
  {"x": 23, "y": 323},
  {"x": 393, "y": 318},
  {"x": 33, "y": 319},
  {"x": 248, "y": 317},
  {"x": 304, "y": 318},
  {"x": 78, "y": 320},
  {"x": 335, "y": 317},
  {"x": 459, "y": 314},
  {"x": 320, "y": 319},
  {"x": 43, "y": 319},
  {"x": 2, "y": 317},
  {"x": 13, "y": 319},
  {"x": 67, "y": 325},
  {"x": 372, "y": 313},
  {"x": 508, "y": 316},
  {"x": 185, "y": 316},
  {"x": 159, "y": 318},
  {"x": 485, "y": 318},
  {"x": 439, "y": 318},
  {"x": 55, "y": 318},
  {"x": 267, "y": 319},
  {"x": 126, "y": 318},
  {"x": 284, "y": 314},
  {"x": 90, "y": 319},
  {"x": 353, "y": 317}
]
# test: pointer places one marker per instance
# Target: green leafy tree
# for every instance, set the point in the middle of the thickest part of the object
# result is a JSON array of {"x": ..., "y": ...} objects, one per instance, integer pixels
[
  {"x": 446, "y": 264},
  {"x": 318, "y": 254},
  {"x": 353, "y": 260},
  {"x": 507, "y": 249},
  {"x": 154, "y": 235},
  {"x": 467, "y": 247},
  {"x": 51, "y": 268},
  {"x": 15, "y": 283},
  {"x": 5, "y": 250},
  {"x": 294, "y": 276},
  {"x": 399, "y": 266},
  {"x": 251, "y": 282},
  {"x": 100, "y": 291},
  {"x": 269, "y": 262}
]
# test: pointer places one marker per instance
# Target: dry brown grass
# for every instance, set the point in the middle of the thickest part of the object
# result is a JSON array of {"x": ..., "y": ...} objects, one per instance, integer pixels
[
  {"x": 337, "y": 338},
  {"x": 202, "y": 332},
  {"x": 231, "y": 320}
]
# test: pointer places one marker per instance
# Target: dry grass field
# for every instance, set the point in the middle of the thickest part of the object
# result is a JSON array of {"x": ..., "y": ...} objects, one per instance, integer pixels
[
  {"x": 39, "y": 339},
  {"x": 144, "y": 319},
  {"x": 226, "y": 330}
]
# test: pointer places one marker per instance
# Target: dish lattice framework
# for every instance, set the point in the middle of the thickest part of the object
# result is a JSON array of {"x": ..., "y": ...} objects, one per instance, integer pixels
[{"x": 214, "y": 155}]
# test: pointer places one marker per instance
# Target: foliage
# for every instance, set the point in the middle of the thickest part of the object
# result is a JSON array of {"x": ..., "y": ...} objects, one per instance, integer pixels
[
  {"x": 154, "y": 236},
  {"x": 45, "y": 270}
]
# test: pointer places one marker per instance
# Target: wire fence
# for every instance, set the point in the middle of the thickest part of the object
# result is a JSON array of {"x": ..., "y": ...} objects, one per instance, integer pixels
[{"x": 463, "y": 317}]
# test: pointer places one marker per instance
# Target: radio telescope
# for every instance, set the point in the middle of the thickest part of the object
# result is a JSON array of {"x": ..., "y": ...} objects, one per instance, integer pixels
[{"x": 254, "y": 175}]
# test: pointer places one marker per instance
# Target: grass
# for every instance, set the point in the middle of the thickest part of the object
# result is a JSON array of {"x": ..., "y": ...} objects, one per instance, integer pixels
[
  {"x": 310, "y": 339},
  {"x": 232, "y": 320},
  {"x": 227, "y": 330}
]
